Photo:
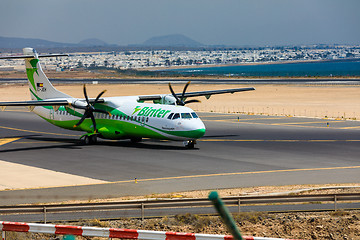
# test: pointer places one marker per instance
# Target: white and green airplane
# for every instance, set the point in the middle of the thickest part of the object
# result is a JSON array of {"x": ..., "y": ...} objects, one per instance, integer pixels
[{"x": 124, "y": 117}]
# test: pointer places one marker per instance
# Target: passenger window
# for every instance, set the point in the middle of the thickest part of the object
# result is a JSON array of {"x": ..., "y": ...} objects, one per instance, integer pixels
[
  {"x": 170, "y": 116},
  {"x": 194, "y": 115},
  {"x": 143, "y": 119},
  {"x": 185, "y": 115},
  {"x": 147, "y": 119},
  {"x": 176, "y": 116}
]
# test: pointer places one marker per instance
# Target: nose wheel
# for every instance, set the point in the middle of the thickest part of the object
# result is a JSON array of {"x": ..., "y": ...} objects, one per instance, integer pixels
[{"x": 189, "y": 144}]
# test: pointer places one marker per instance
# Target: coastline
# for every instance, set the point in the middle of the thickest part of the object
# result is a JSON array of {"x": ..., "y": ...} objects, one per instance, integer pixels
[
  {"x": 111, "y": 74},
  {"x": 244, "y": 64}
]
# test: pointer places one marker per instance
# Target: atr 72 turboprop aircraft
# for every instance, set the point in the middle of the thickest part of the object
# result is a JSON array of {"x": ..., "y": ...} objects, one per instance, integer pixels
[{"x": 124, "y": 117}]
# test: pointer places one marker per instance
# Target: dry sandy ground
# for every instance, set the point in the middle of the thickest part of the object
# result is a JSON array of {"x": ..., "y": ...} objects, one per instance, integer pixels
[{"x": 333, "y": 101}]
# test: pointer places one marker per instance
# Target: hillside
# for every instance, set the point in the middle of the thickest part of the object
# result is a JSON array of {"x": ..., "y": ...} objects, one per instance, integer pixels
[{"x": 174, "y": 40}]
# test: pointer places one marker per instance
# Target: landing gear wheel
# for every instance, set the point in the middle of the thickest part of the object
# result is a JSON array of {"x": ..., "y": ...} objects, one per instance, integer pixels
[
  {"x": 189, "y": 144},
  {"x": 93, "y": 139},
  {"x": 135, "y": 139},
  {"x": 88, "y": 140}
]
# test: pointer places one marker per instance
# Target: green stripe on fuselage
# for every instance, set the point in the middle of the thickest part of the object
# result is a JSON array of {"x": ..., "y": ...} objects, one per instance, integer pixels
[{"x": 117, "y": 129}]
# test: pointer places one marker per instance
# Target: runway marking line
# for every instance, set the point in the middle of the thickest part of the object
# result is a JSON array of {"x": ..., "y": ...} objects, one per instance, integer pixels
[
  {"x": 279, "y": 140},
  {"x": 4, "y": 141},
  {"x": 197, "y": 176},
  {"x": 244, "y": 173},
  {"x": 16, "y": 110},
  {"x": 350, "y": 127},
  {"x": 31, "y": 131}
]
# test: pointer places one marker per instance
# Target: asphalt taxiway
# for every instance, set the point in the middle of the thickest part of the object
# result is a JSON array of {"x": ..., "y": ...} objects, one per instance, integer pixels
[{"x": 236, "y": 151}]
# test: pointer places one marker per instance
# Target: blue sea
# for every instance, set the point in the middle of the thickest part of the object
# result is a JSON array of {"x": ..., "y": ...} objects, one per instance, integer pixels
[{"x": 347, "y": 68}]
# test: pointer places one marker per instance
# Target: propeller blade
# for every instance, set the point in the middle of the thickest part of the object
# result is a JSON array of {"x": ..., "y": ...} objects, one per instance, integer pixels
[
  {"x": 192, "y": 101},
  {"x": 86, "y": 96},
  {"x": 184, "y": 90},
  {"x": 100, "y": 94},
  {"x": 172, "y": 92},
  {"x": 93, "y": 121},
  {"x": 90, "y": 109},
  {"x": 81, "y": 120}
]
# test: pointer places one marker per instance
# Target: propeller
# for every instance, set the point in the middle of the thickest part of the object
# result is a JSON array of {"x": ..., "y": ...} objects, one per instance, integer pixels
[
  {"x": 90, "y": 109},
  {"x": 180, "y": 101}
]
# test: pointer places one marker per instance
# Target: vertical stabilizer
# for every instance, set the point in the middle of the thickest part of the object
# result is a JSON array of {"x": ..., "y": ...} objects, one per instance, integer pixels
[{"x": 39, "y": 85}]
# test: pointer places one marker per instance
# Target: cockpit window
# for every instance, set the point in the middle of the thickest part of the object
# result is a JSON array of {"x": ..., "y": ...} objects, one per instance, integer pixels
[
  {"x": 170, "y": 116},
  {"x": 176, "y": 116},
  {"x": 194, "y": 115},
  {"x": 185, "y": 115}
]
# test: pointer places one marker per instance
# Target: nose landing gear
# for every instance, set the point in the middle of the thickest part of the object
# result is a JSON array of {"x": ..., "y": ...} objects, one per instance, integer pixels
[{"x": 189, "y": 144}]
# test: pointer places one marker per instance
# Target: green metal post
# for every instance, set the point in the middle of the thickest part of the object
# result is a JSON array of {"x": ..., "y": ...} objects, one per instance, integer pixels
[{"x": 225, "y": 215}]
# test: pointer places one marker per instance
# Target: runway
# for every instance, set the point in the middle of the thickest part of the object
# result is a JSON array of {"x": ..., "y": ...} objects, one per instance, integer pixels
[{"x": 236, "y": 151}]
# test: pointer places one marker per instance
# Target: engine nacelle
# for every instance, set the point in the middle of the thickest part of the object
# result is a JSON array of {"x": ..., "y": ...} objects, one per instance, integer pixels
[{"x": 167, "y": 99}]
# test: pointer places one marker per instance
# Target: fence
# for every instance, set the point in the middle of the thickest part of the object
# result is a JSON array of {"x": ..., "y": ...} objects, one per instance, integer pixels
[{"x": 167, "y": 205}]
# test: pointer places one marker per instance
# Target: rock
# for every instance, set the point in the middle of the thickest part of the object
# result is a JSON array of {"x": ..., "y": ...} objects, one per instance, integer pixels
[{"x": 319, "y": 227}]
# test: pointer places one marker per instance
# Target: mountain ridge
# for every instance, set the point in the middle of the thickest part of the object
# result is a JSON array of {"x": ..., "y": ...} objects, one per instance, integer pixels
[
  {"x": 15, "y": 42},
  {"x": 172, "y": 40}
]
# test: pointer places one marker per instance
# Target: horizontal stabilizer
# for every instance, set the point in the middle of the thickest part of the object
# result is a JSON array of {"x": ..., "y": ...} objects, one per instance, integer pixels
[
  {"x": 36, "y": 103},
  {"x": 55, "y": 102},
  {"x": 31, "y": 56}
]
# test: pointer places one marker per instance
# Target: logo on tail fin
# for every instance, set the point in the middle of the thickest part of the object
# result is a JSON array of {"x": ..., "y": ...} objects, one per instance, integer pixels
[{"x": 40, "y": 87}]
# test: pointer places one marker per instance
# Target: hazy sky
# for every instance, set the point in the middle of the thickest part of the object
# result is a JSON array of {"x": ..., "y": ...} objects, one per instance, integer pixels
[{"x": 230, "y": 22}]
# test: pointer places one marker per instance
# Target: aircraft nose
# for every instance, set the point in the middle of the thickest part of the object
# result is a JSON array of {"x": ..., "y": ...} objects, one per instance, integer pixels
[
  {"x": 195, "y": 129},
  {"x": 199, "y": 133}
]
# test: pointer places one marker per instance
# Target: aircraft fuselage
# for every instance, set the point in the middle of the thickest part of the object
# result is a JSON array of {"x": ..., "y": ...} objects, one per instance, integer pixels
[{"x": 129, "y": 119}]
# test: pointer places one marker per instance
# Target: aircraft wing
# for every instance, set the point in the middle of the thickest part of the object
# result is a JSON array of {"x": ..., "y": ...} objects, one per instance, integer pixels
[{"x": 207, "y": 94}]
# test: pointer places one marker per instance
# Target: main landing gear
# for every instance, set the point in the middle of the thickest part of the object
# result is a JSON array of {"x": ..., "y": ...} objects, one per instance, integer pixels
[
  {"x": 189, "y": 144},
  {"x": 135, "y": 139},
  {"x": 89, "y": 139}
]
